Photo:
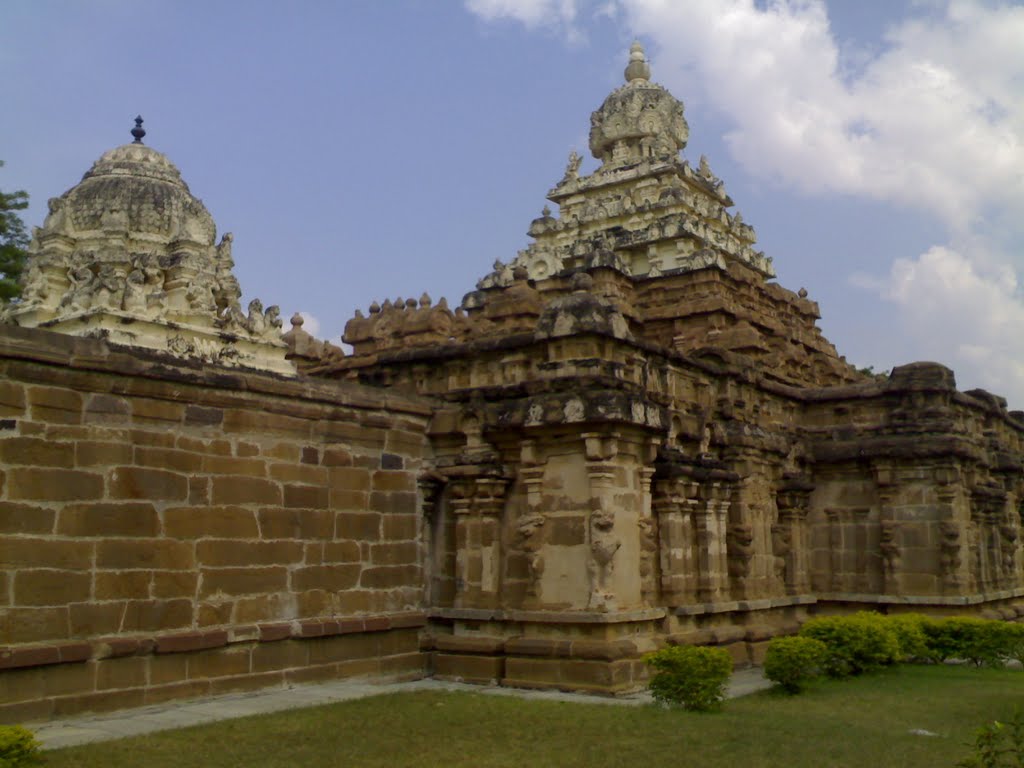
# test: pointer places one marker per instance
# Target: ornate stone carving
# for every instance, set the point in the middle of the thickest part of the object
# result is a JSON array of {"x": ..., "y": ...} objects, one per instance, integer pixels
[{"x": 603, "y": 546}]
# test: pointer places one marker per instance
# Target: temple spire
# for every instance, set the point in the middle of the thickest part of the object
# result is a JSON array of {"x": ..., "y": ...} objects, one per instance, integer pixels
[{"x": 638, "y": 68}]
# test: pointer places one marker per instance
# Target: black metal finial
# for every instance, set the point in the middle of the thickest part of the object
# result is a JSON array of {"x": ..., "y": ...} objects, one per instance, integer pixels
[{"x": 138, "y": 131}]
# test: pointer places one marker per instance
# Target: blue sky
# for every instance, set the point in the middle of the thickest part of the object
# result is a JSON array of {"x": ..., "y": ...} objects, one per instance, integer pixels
[{"x": 371, "y": 150}]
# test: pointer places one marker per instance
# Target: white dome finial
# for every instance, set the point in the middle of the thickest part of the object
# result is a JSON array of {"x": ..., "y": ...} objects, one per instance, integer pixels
[{"x": 638, "y": 68}]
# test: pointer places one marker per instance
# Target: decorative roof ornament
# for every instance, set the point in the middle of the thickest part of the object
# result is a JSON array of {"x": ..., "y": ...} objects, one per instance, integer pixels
[
  {"x": 638, "y": 68},
  {"x": 138, "y": 131},
  {"x": 130, "y": 255},
  {"x": 639, "y": 121}
]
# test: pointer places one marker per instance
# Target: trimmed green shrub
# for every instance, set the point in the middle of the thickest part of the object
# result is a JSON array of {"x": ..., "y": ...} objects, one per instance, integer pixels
[
  {"x": 1013, "y": 641},
  {"x": 979, "y": 641},
  {"x": 18, "y": 747},
  {"x": 857, "y": 643},
  {"x": 910, "y": 634},
  {"x": 792, "y": 661},
  {"x": 692, "y": 676}
]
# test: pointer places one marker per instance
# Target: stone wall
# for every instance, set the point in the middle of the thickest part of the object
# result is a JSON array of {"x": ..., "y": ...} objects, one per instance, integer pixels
[{"x": 168, "y": 530}]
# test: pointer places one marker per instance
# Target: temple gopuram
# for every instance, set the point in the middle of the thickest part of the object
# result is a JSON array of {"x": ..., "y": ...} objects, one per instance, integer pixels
[{"x": 626, "y": 436}]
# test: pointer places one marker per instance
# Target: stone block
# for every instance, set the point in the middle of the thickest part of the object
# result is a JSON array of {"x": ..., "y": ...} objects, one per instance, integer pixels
[
  {"x": 103, "y": 701},
  {"x": 245, "y": 490},
  {"x": 175, "y": 583},
  {"x": 200, "y": 416},
  {"x": 336, "y": 457},
  {"x": 26, "y": 519},
  {"x": 146, "y": 411},
  {"x": 149, "y": 484},
  {"x": 126, "y": 672},
  {"x": 259, "y": 608},
  {"x": 400, "y": 528},
  {"x": 106, "y": 409},
  {"x": 218, "y": 521},
  {"x": 168, "y": 458},
  {"x": 484, "y": 670},
  {"x": 305, "y": 496},
  {"x": 104, "y": 519},
  {"x": 298, "y": 473},
  {"x": 216, "y": 613},
  {"x": 30, "y": 552},
  {"x": 55, "y": 405},
  {"x": 566, "y": 531},
  {"x": 96, "y": 453},
  {"x": 394, "y": 502},
  {"x": 277, "y": 656},
  {"x": 331, "y": 578},
  {"x": 361, "y": 526},
  {"x": 341, "y": 499},
  {"x": 93, "y": 618},
  {"x": 385, "y": 577},
  {"x": 53, "y": 484},
  {"x": 190, "y": 689},
  {"x": 341, "y": 552},
  {"x": 37, "y": 587},
  {"x": 156, "y": 554},
  {"x": 389, "y": 480},
  {"x": 219, "y": 663},
  {"x": 232, "y": 465},
  {"x": 34, "y": 625},
  {"x": 243, "y": 581},
  {"x": 158, "y": 438},
  {"x": 123, "y": 585},
  {"x": 349, "y": 479},
  {"x": 156, "y": 615},
  {"x": 248, "y": 682},
  {"x": 254, "y": 422},
  {"x": 36, "y": 452},
  {"x": 164, "y": 669},
  {"x": 392, "y": 553},
  {"x": 182, "y": 642},
  {"x": 12, "y": 398},
  {"x": 279, "y": 523},
  {"x": 231, "y": 552},
  {"x": 323, "y": 650}
]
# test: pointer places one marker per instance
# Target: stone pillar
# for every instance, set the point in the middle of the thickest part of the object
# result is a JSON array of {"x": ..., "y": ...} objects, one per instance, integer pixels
[
  {"x": 477, "y": 503},
  {"x": 673, "y": 505},
  {"x": 648, "y": 541},
  {"x": 710, "y": 520},
  {"x": 791, "y": 543},
  {"x": 530, "y": 527},
  {"x": 604, "y": 541}
]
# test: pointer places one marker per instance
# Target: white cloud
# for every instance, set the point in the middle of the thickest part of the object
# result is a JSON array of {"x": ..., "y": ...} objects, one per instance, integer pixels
[
  {"x": 962, "y": 315},
  {"x": 553, "y": 14}
]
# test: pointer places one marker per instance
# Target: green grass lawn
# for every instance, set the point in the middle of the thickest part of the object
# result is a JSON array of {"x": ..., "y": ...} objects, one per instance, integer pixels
[{"x": 860, "y": 722}]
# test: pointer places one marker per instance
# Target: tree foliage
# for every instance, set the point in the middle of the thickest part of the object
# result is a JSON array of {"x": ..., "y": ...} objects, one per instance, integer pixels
[{"x": 13, "y": 242}]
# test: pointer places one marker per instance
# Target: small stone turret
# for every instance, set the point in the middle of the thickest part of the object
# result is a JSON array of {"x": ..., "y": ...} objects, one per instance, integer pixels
[{"x": 130, "y": 255}]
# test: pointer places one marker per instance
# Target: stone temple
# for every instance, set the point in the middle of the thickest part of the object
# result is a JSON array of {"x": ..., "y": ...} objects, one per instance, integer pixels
[{"x": 627, "y": 436}]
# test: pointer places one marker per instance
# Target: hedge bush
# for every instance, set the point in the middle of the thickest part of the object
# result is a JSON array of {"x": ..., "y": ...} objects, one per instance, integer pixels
[
  {"x": 983, "y": 642},
  {"x": 792, "y": 661},
  {"x": 909, "y": 629},
  {"x": 692, "y": 676},
  {"x": 857, "y": 643},
  {"x": 18, "y": 747}
]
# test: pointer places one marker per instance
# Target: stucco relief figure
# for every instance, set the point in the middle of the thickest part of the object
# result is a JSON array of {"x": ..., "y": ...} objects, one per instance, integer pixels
[
  {"x": 80, "y": 294},
  {"x": 572, "y": 168},
  {"x": 648, "y": 553},
  {"x": 889, "y": 548},
  {"x": 273, "y": 322},
  {"x": 949, "y": 549},
  {"x": 531, "y": 541},
  {"x": 603, "y": 546},
  {"x": 109, "y": 288},
  {"x": 35, "y": 290},
  {"x": 782, "y": 544},
  {"x": 1009, "y": 536},
  {"x": 135, "y": 292},
  {"x": 740, "y": 548},
  {"x": 200, "y": 297}
]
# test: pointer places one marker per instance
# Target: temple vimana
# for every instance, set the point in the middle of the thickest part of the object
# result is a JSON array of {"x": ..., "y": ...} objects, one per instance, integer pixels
[{"x": 626, "y": 436}]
